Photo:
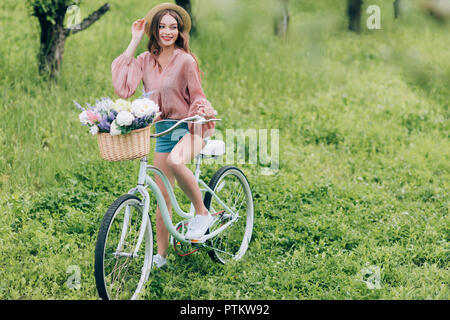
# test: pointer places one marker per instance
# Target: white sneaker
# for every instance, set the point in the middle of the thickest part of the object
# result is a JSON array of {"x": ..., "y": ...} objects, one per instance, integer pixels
[
  {"x": 159, "y": 261},
  {"x": 198, "y": 226}
]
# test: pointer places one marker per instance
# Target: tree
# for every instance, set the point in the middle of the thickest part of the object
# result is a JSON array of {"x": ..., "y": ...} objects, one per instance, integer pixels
[
  {"x": 50, "y": 14},
  {"x": 354, "y": 15},
  {"x": 186, "y": 4},
  {"x": 281, "y": 18},
  {"x": 396, "y": 9}
]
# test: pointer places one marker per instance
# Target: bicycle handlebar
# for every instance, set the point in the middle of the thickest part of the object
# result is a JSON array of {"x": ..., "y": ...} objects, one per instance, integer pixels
[{"x": 197, "y": 119}]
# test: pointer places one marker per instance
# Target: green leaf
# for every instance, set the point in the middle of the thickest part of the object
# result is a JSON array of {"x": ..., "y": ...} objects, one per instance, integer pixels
[{"x": 125, "y": 130}]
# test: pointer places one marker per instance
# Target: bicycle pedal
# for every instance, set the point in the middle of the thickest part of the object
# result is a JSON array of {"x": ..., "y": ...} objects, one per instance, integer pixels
[{"x": 197, "y": 242}]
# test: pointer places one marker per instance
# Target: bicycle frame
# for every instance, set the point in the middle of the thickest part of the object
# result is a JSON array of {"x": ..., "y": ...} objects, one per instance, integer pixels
[{"x": 144, "y": 178}]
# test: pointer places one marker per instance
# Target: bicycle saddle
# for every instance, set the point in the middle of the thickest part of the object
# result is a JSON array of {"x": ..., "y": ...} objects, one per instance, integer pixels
[{"x": 213, "y": 148}]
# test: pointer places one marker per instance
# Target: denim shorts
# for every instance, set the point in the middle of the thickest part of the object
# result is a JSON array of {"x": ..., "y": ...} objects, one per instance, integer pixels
[{"x": 167, "y": 142}]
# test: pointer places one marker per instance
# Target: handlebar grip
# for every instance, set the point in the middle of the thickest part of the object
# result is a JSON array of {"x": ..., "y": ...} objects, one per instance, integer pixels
[{"x": 197, "y": 119}]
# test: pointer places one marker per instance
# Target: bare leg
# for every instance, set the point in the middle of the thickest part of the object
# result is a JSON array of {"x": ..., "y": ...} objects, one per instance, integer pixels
[
  {"x": 162, "y": 235},
  {"x": 184, "y": 151}
]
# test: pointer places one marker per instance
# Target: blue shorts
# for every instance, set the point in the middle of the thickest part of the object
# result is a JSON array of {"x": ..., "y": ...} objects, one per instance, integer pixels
[{"x": 167, "y": 142}]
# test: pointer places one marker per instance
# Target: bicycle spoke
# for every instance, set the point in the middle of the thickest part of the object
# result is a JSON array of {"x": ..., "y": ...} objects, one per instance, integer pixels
[{"x": 221, "y": 251}]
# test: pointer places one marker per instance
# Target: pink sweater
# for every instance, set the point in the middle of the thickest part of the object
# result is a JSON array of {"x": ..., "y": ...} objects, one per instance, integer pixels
[{"x": 177, "y": 88}]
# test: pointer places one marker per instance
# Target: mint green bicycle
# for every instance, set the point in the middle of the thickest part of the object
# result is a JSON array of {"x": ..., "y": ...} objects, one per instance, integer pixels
[{"x": 124, "y": 249}]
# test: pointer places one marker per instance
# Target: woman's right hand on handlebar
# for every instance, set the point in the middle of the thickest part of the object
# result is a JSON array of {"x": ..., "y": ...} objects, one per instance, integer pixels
[{"x": 138, "y": 29}]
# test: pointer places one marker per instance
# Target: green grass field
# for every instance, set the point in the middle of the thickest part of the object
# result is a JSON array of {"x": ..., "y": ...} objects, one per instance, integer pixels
[{"x": 362, "y": 185}]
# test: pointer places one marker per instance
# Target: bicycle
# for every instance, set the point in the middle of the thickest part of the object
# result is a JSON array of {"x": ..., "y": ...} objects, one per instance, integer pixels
[{"x": 124, "y": 248}]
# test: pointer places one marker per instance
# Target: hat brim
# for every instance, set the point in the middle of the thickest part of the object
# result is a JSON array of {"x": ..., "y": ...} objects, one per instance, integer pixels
[{"x": 180, "y": 10}]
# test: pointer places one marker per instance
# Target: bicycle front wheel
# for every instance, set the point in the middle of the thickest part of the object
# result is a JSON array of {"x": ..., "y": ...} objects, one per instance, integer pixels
[
  {"x": 120, "y": 274},
  {"x": 231, "y": 186}
]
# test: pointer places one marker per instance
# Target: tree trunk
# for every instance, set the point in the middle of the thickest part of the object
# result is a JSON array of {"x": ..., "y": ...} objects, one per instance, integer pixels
[
  {"x": 281, "y": 22},
  {"x": 186, "y": 4},
  {"x": 51, "y": 49},
  {"x": 396, "y": 9},
  {"x": 354, "y": 15}
]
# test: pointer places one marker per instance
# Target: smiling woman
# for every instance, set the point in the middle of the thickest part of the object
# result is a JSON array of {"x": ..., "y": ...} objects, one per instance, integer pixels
[
  {"x": 170, "y": 71},
  {"x": 162, "y": 25},
  {"x": 168, "y": 34},
  {"x": 168, "y": 30}
]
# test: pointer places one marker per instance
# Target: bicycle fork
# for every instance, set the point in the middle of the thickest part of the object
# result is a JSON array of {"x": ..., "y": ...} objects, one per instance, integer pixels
[{"x": 145, "y": 218}]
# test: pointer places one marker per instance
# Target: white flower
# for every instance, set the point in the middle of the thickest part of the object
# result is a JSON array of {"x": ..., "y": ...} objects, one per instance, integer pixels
[
  {"x": 93, "y": 130},
  {"x": 83, "y": 117},
  {"x": 104, "y": 105},
  {"x": 121, "y": 105},
  {"x": 124, "y": 118},
  {"x": 114, "y": 130},
  {"x": 143, "y": 107}
]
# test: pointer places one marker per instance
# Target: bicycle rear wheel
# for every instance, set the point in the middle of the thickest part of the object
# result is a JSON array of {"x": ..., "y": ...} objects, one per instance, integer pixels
[
  {"x": 232, "y": 187},
  {"x": 119, "y": 274}
]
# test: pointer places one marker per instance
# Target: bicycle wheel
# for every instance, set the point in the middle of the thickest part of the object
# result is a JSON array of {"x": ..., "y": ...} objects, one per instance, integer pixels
[
  {"x": 118, "y": 274},
  {"x": 232, "y": 187}
]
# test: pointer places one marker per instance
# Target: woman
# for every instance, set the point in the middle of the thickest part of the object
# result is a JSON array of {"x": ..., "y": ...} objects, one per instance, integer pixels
[{"x": 171, "y": 71}]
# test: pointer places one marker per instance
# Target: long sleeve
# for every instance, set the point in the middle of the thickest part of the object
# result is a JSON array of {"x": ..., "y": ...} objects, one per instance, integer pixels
[
  {"x": 127, "y": 74},
  {"x": 197, "y": 98}
]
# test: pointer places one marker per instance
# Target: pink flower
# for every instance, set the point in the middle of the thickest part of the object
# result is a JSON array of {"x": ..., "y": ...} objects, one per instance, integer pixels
[{"x": 92, "y": 117}]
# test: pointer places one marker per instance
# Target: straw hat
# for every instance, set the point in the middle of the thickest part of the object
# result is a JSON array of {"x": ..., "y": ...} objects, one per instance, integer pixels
[{"x": 180, "y": 10}]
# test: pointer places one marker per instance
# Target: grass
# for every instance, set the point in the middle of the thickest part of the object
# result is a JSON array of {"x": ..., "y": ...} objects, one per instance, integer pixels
[{"x": 363, "y": 169}]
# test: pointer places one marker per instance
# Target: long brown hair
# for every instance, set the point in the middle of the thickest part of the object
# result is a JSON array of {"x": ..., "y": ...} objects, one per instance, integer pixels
[{"x": 182, "y": 40}]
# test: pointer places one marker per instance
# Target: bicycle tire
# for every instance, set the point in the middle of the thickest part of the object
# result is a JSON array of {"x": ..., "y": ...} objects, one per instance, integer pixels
[
  {"x": 102, "y": 246},
  {"x": 218, "y": 253}
]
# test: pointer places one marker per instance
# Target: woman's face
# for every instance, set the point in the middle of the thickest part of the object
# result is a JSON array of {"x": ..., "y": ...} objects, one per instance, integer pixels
[{"x": 168, "y": 31}]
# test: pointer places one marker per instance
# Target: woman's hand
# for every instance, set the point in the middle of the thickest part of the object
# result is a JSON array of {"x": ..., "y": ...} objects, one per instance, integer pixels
[
  {"x": 206, "y": 111},
  {"x": 203, "y": 108},
  {"x": 138, "y": 30}
]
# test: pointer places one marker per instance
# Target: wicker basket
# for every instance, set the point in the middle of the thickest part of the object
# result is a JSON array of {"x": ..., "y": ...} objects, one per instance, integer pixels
[{"x": 133, "y": 145}]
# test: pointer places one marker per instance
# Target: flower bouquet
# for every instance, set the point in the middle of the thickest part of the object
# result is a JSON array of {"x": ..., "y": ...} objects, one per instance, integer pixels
[{"x": 122, "y": 127}]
